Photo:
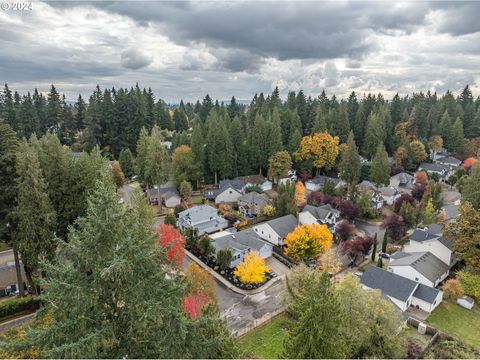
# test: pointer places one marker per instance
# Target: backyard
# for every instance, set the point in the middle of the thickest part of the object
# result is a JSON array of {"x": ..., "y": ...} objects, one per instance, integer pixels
[
  {"x": 264, "y": 342},
  {"x": 458, "y": 322}
]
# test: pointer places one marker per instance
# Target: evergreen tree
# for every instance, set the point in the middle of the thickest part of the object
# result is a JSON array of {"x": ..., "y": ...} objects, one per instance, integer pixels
[
  {"x": 156, "y": 162},
  {"x": 197, "y": 143},
  {"x": 127, "y": 162},
  {"x": 237, "y": 140},
  {"x": 180, "y": 120},
  {"x": 320, "y": 124},
  {"x": 318, "y": 321},
  {"x": 294, "y": 142},
  {"x": 380, "y": 172},
  {"x": 341, "y": 126},
  {"x": 454, "y": 142},
  {"x": 219, "y": 147},
  {"x": 350, "y": 162},
  {"x": 142, "y": 152},
  {"x": 375, "y": 133},
  {"x": 53, "y": 111}
]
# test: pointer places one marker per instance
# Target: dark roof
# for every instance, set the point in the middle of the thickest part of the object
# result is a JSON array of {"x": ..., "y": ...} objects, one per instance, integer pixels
[
  {"x": 433, "y": 167},
  {"x": 246, "y": 239},
  {"x": 403, "y": 178},
  {"x": 167, "y": 192},
  {"x": 252, "y": 179},
  {"x": 421, "y": 235},
  {"x": 435, "y": 229},
  {"x": 234, "y": 184},
  {"x": 283, "y": 225},
  {"x": 446, "y": 242},
  {"x": 389, "y": 283},
  {"x": 452, "y": 211},
  {"x": 425, "y": 263},
  {"x": 320, "y": 180},
  {"x": 426, "y": 293},
  {"x": 254, "y": 198},
  {"x": 449, "y": 160},
  {"x": 321, "y": 212}
]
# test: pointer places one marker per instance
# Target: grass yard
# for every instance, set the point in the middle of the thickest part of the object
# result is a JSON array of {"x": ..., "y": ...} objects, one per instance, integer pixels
[
  {"x": 411, "y": 333},
  {"x": 197, "y": 199},
  {"x": 3, "y": 246},
  {"x": 264, "y": 342},
  {"x": 458, "y": 322}
]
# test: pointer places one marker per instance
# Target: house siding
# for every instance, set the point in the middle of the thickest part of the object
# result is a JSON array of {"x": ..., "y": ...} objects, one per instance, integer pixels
[
  {"x": 426, "y": 306},
  {"x": 433, "y": 246},
  {"x": 228, "y": 196},
  {"x": 266, "y": 232}
]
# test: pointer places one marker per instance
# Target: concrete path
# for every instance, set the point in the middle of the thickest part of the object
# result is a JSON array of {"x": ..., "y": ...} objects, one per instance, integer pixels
[{"x": 7, "y": 325}]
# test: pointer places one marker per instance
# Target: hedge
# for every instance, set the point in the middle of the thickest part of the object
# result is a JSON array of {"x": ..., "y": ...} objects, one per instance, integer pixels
[{"x": 17, "y": 304}]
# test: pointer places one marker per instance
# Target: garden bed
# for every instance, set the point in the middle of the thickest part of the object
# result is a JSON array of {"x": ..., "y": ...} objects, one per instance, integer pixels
[{"x": 228, "y": 273}]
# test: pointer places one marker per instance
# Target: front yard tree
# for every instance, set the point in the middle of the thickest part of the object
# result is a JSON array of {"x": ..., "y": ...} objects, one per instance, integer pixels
[
  {"x": 306, "y": 242},
  {"x": 127, "y": 300},
  {"x": 470, "y": 189},
  {"x": 465, "y": 231},
  {"x": 299, "y": 193},
  {"x": 184, "y": 165},
  {"x": 418, "y": 153},
  {"x": 205, "y": 246},
  {"x": 350, "y": 162},
  {"x": 172, "y": 242},
  {"x": 358, "y": 246},
  {"x": 278, "y": 165},
  {"x": 380, "y": 172},
  {"x": 219, "y": 147},
  {"x": 185, "y": 190},
  {"x": 224, "y": 258},
  {"x": 252, "y": 269},
  {"x": 126, "y": 162},
  {"x": 34, "y": 214},
  {"x": 316, "y": 330},
  {"x": 200, "y": 281},
  {"x": 395, "y": 226},
  {"x": 435, "y": 143},
  {"x": 117, "y": 174},
  {"x": 321, "y": 148}
]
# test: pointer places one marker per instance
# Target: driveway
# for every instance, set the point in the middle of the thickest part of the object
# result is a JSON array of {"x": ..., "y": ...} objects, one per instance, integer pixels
[
  {"x": 371, "y": 229},
  {"x": 127, "y": 191}
]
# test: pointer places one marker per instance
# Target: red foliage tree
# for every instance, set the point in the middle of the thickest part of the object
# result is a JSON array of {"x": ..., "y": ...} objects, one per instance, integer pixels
[
  {"x": 421, "y": 178},
  {"x": 395, "y": 226},
  {"x": 172, "y": 241},
  {"x": 359, "y": 245},
  {"x": 401, "y": 199},
  {"x": 194, "y": 303},
  {"x": 468, "y": 163},
  {"x": 344, "y": 229},
  {"x": 418, "y": 191},
  {"x": 348, "y": 209},
  {"x": 315, "y": 198}
]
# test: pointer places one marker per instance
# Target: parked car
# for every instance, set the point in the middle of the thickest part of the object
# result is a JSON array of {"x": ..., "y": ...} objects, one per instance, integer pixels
[
  {"x": 358, "y": 273},
  {"x": 384, "y": 255}
]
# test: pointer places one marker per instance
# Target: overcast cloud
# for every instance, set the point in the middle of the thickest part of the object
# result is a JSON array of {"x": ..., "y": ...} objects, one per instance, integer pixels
[{"x": 183, "y": 50}]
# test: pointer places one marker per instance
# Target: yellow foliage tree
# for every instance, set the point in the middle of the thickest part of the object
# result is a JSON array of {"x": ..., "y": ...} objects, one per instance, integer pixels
[
  {"x": 321, "y": 148},
  {"x": 299, "y": 193},
  {"x": 329, "y": 262},
  {"x": 306, "y": 242},
  {"x": 252, "y": 269},
  {"x": 453, "y": 288},
  {"x": 117, "y": 173},
  {"x": 268, "y": 210},
  {"x": 200, "y": 281}
]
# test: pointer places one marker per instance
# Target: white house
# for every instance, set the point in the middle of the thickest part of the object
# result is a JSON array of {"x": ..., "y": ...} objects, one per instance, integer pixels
[
  {"x": 369, "y": 188},
  {"x": 324, "y": 214},
  {"x": 169, "y": 195},
  {"x": 203, "y": 217},
  {"x": 403, "y": 182},
  {"x": 317, "y": 183},
  {"x": 430, "y": 239},
  {"x": 422, "y": 267},
  {"x": 402, "y": 291},
  {"x": 255, "y": 180},
  {"x": 275, "y": 231},
  {"x": 227, "y": 195},
  {"x": 441, "y": 170},
  {"x": 242, "y": 242}
]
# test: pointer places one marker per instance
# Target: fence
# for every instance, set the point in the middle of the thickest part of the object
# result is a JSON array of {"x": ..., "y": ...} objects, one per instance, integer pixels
[{"x": 257, "y": 322}]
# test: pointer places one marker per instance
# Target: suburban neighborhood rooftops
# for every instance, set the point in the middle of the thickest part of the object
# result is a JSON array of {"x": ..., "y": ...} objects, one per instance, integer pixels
[
  {"x": 234, "y": 184},
  {"x": 435, "y": 229},
  {"x": 426, "y": 293},
  {"x": 167, "y": 192},
  {"x": 321, "y": 212},
  {"x": 246, "y": 239},
  {"x": 421, "y": 235},
  {"x": 252, "y": 179},
  {"x": 283, "y": 225},
  {"x": 433, "y": 167},
  {"x": 452, "y": 211},
  {"x": 403, "y": 178},
  {"x": 320, "y": 179},
  {"x": 449, "y": 160},
  {"x": 198, "y": 213},
  {"x": 389, "y": 283},
  {"x": 425, "y": 263},
  {"x": 446, "y": 242},
  {"x": 367, "y": 185},
  {"x": 254, "y": 198},
  {"x": 388, "y": 191}
]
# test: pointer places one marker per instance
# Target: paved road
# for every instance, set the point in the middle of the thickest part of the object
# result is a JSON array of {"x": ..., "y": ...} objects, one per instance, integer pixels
[
  {"x": 127, "y": 191},
  {"x": 371, "y": 229},
  {"x": 6, "y": 256}
]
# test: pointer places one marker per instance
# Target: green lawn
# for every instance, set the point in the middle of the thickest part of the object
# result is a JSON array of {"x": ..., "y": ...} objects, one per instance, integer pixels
[
  {"x": 197, "y": 199},
  {"x": 458, "y": 322},
  {"x": 264, "y": 342},
  {"x": 411, "y": 333},
  {"x": 3, "y": 246}
]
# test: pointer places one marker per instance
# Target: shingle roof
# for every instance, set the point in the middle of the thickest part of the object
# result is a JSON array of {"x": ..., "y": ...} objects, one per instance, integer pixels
[
  {"x": 389, "y": 283},
  {"x": 320, "y": 180},
  {"x": 252, "y": 179},
  {"x": 421, "y": 235},
  {"x": 435, "y": 229},
  {"x": 404, "y": 178},
  {"x": 433, "y": 167},
  {"x": 449, "y": 160},
  {"x": 234, "y": 184},
  {"x": 446, "y": 242},
  {"x": 321, "y": 212},
  {"x": 425, "y": 263},
  {"x": 254, "y": 198},
  {"x": 246, "y": 239},
  {"x": 452, "y": 211},
  {"x": 200, "y": 212},
  {"x": 283, "y": 225},
  {"x": 229, "y": 243},
  {"x": 426, "y": 293}
]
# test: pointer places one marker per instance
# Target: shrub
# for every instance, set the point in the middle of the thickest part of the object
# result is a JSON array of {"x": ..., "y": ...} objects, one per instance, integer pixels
[
  {"x": 17, "y": 304},
  {"x": 179, "y": 208},
  {"x": 404, "y": 198},
  {"x": 224, "y": 257},
  {"x": 344, "y": 229},
  {"x": 453, "y": 289},
  {"x": 253, "y": 188},
  {"x": 171, "y": 219},
  {"x": 414, "y": 351}
]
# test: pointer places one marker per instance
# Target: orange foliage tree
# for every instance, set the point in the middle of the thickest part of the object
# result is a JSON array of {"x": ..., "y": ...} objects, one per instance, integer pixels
[
  {"x": 252, "y": 269},
  {"x": 299, "y": 193},
  {"x": 321, "y": 148},
  {"x": 469, "y": 162},
  {"x": 453, "y": 288},
  {"x": 117, "y": 174},
  {"x": 421, "y": 178},
  {"x": 172, "y": 241},
  {"x": 193, "y": 304},
  {"x": 200, "y": 281},
  {"x": 306, "y": 242}
]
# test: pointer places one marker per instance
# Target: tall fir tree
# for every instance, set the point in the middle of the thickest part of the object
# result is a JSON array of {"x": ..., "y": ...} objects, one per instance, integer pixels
[{"x": 380, "y": 171}]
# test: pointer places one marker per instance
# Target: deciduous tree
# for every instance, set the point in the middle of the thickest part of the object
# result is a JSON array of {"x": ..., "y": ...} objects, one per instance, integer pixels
[
  {"x": 395, "y": 225},
  {"x": 453, "y": 289},
  {"x": 185, "y": 190},
  {"x": 252, "y": 269},
  {"x": 278, "y": 165},
  {"x": 224, "y": 258},
  {"x": 321, "y": 148},
  {"x": 299, "y": 193},
  {"x": 184, "y": 165},
  {"x": 200, "y": 281},
  {"x": 306, "y": 242},
  {"x": 470, "y": 188},
  {"x": 173, "y": 243},
  {"x": 117, "y": 174},
  {"x": 127, "y": 162}
]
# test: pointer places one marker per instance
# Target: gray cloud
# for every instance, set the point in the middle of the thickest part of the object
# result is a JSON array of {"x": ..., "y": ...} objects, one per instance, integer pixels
[{"x": 134, "y": 59}]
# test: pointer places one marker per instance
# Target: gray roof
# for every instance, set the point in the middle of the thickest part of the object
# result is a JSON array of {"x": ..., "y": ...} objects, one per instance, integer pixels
[
  {"x": 389, "y": 283},
  {"x": 236, "y": 184},
  {"x": 468, "y": 299},
  {"x": 246, "y": 239},
  {"x": 432, "y": 167},
  {"x": 254, "y": 198},
  {"x": 404, "y": 178},
  {"x": 426, "y": 293},
  {"x": 167, "y": 192},
  {"x": 435, "y": 229},
  {"x": 449, "y": 160},
  {"x": 446, "y": 242},
  {"x": 321, "y": 212},
  {"x": 452, "y": 211},
  {"x": 321, "y": 180},
  {"x": 421, "y": 235},
  {"x": 200, "y": 212},
  {"x": 425, "y": 263},
  {"x": 283, "y": 225}
]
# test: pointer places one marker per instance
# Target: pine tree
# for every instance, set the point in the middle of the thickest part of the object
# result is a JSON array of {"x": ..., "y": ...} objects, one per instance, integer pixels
[
  {"x": 53, "y": 111},
  {"x": 375, "y": 133},
  {"x": 237, "y": 140},
  {"x": 455, "y": 141},
  {"x": 380, "y": 172},
  {"x": 219, "y": 147},
  {"x": 156, "y": 162},
  {"x": 126, "y": 162},
  {"x": 341, "y": 126},
  {"x": 320, "y": 123},
  {"x": 180, "y": 120},
  {"x": 197, "y": 143},
  {"x": 350, "y": 162}
]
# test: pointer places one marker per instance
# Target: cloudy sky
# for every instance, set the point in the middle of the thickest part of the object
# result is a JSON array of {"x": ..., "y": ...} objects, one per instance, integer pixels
[{"x": 183, "y": 50}]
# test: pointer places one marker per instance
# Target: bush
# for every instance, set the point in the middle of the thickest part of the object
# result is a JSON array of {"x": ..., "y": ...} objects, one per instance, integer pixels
[
  {"x": 179, "y": 208},
  {"x": 171, "y": 219},
  {"x": 17, "y": 304},
  {"x": 453, "y": 289},
  {"x": 253, "y": 188}
]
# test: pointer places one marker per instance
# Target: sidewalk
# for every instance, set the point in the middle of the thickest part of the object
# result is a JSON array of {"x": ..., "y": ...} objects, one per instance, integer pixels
[{"x": 227, "y": 283}]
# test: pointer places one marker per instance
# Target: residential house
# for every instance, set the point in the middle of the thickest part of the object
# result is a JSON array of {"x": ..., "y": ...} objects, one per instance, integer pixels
[
  {"x": 317, "y": 183},
  {"x": 324, "y": 214},
  {"x": 403, "y": 182},
  {"x": 441, "y": 170},
  {"x": 169, "y": 195},
  {"x": 241, "y": 243},
  {"x": 256, "y": 180},
  {"x": 228, "y": 192},
  {"x": 402, "y": 291},
  {"x": 371, "y": 189},
  {"x": 251, "y": 204},
  {"x": 205, "y": 218},
  {"x": 389, "y": 194},
  {"x": 436, "y": 155},
  {"x": 449, "y": 161},
  {"x": 422, "y": 267},
  {"x": 430, "y": 239},
  {"x": 452, "y": 211},
  {"x": 275, "y": 231}
]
